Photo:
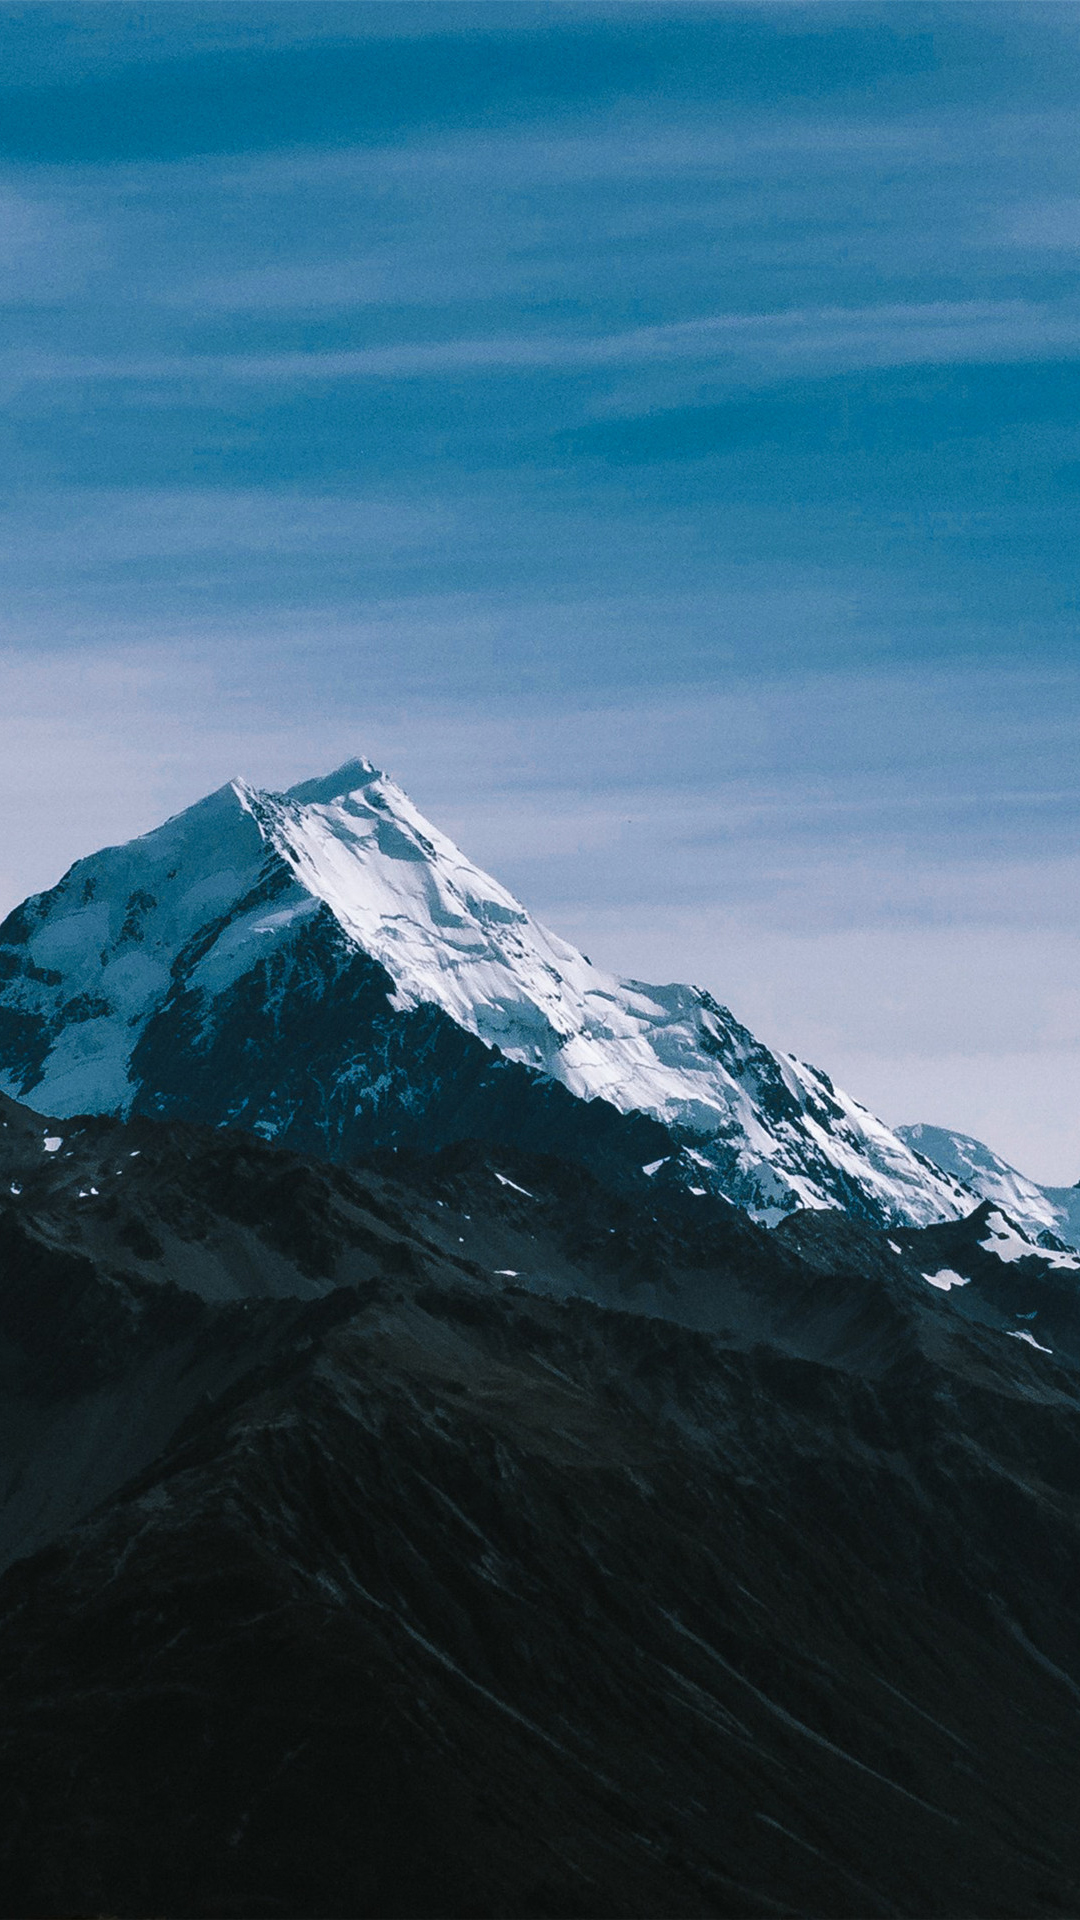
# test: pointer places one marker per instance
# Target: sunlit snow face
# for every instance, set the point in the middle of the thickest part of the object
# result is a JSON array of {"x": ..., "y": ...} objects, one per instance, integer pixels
[
  {"x": 187, "y": 913},
  {"x": 447, "y": 933}
]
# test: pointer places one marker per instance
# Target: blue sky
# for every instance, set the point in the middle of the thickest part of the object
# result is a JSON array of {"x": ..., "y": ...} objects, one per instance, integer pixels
[{"x": 651, "y": 431}]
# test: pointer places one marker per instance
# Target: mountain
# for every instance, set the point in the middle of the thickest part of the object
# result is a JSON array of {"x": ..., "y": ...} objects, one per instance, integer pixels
[
  {"x": 426, "y": 1494},
  {"x": 1053, "y": 1210},
  {"x": 454, "y": 1536},
  {"x": 323, "y": 967}
]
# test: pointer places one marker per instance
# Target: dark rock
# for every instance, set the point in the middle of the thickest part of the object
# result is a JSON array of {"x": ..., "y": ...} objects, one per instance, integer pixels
[{"x": 505, "y": 1544}]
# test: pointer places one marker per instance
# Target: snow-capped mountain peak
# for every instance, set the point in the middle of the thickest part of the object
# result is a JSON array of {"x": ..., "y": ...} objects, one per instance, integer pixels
[
  {"x": 1039, "y": 1209},
  {"x": 445, "y": 931},
  {"x": 231, "y": 911}
]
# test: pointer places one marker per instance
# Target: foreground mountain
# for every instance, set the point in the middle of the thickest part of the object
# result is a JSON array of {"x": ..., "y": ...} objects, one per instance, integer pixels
[
  {"x": 1055, "y": 1210},
  {"x": 457, "y": 1536},
  {"x": 324, "y": 967},
  {"x": 142, "y": 1264}
]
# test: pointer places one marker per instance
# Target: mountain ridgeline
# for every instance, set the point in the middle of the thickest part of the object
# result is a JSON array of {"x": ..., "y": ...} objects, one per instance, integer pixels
[{"x": 323, "y": 967}]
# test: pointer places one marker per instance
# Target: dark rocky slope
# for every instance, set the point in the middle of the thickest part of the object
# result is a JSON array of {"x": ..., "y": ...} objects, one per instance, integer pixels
[{"x": 682, "y": 1569}]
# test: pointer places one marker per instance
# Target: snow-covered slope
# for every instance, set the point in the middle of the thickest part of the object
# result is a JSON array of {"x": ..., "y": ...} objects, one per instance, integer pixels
[
  {"x": 146, "y": 980},
  {"x": 1038, "y": 1209}
]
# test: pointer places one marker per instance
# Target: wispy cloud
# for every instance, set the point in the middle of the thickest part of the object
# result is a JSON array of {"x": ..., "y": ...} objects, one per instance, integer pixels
[
  {"x": 766, "y": 344},
  {"x": 47, "y": 251},
  {"x": 640, "y": 143},
  {"x": 1049, "y": 225}
]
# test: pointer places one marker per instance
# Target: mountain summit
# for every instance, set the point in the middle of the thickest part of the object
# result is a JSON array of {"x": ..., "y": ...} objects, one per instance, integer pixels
[{"x": 324, "y": 966}]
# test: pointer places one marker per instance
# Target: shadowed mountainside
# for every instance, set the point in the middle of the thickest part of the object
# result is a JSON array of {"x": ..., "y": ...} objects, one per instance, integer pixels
[{"x": 463, "y": 1536}]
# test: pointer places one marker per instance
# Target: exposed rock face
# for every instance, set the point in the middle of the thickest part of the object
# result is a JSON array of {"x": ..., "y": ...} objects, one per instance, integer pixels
[
  {"x": 325, "y": 967},
  {"x": 475, "y": 1536}
]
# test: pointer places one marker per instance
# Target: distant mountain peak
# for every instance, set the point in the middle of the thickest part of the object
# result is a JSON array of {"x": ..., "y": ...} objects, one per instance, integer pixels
[
  {"x": 265, "y": 958},
  {"x": 1037, "y": 1208}
]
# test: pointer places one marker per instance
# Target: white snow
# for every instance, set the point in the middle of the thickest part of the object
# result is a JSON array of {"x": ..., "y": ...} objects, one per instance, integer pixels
[
  {"x": 1009, "y": 1244},
  {"x": 504, "y": 1182},
  {"x": 895, "y": 1248},
  {"x": 506, "y": 1273},
  {"x": 447, "y": 934},
  {"x": 654, "y": 1166},
  {"x": 1015, "y": 1334},
  {"x": 15, "y": 1188},
  {"x": 945, "y": 1279},
  {"x": 1034, "y": 1207},
  {"x": 113, "y": 928},
  {"x": 52, "y": 1143}
]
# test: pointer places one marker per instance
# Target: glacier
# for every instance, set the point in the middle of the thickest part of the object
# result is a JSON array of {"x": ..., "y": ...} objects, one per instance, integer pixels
[{"x": 258, "y": 906}]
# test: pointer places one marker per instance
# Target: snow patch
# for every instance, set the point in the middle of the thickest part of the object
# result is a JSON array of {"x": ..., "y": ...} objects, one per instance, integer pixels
[
  {"x": 1014, "y": 1333},
  {"x": 698, "y": 1158},
  {"x": 946, "y": 1279},
  {"x": 52, "y": 1143},
  {"x": 505, "y": 1182},
  {"x": 1009, "y": 1244}
]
